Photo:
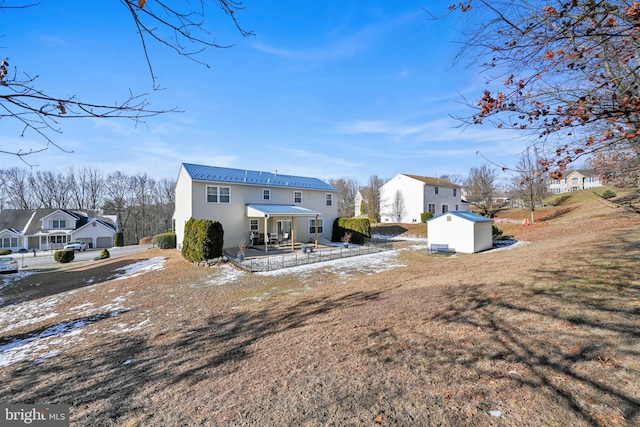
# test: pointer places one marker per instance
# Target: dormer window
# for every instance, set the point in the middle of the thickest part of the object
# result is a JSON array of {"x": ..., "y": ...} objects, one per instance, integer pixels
[{"x": 59, "y": 223}]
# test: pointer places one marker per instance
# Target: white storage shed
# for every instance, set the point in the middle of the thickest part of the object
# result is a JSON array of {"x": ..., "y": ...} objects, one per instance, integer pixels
[{"x": 464, "y": 232}]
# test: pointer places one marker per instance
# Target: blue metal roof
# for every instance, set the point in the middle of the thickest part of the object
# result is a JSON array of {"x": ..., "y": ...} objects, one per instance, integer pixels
[
  {"x": 469, "y": 216},
  {"x": 279, "y": 210},
  {"x": 249, "y": 177}
]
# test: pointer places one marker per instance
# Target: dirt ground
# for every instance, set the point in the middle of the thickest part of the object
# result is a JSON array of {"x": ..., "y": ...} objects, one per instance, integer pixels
[{"x": 544, "y": 334}]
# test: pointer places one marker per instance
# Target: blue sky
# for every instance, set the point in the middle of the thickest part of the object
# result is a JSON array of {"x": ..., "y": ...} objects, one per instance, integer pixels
[{"x": 331, "y": 89}]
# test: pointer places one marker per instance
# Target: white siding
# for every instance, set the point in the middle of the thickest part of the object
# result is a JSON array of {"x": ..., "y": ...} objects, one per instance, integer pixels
[
  {"x": 411, "y": 191},
  {"x": 183, "y": 210},
  {"x": 92, "y": 232},
  {"x": 417, "y": 195},
  {"x": 460, "y": 234},
  {"x": 191, "y": 201}
]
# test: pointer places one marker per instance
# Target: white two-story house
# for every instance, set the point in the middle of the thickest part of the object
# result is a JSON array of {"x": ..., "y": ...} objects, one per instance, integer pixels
[
  {"x": 405, "y": 197},
  {"x": 255, "y": 207}
]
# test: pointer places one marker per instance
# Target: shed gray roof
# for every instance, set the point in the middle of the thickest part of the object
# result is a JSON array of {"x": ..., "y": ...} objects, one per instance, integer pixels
[
  {"x": 469, "y": 216},
  {"x": 249, "y": 177}
]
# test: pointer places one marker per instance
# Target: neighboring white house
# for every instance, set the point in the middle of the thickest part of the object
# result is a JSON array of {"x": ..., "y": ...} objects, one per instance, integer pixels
[
  {"x": 45, "y": 229},
  {"x": 574, "y": 180},
  {"x": 465, "y": 232},
  {"x": 405, "y": 197},
  {"x": 255, "y": 207}
]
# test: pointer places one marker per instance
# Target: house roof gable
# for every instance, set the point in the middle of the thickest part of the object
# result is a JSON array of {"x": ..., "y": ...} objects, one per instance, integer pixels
[
  {"x": 102, "y": 223},
  {"x": 249, "y": 177},
  {"x": 432, "y": 181}
]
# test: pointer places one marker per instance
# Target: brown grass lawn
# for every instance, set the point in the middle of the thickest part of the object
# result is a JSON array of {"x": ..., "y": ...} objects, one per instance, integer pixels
[{"x": 544, "y": 334}]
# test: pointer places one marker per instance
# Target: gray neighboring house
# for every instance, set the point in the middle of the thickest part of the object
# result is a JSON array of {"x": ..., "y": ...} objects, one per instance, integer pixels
[{"x": 44, "y": 229}]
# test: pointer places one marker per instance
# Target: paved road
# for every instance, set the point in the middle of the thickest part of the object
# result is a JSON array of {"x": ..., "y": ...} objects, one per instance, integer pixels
[{"x": 44, "y": 258}]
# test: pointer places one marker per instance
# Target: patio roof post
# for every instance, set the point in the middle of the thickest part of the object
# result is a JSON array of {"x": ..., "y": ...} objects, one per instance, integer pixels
[
  {"x": 316, "y": 231},
  {"x": 266, "y": 234},
  {"x": 293, "y": 228}
]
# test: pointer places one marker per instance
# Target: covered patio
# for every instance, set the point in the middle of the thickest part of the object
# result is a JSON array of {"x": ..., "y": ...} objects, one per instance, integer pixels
[{"x": 282, "y": 220}]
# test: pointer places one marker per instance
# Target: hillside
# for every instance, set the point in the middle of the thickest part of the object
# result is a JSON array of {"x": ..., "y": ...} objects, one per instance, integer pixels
[{"x": 542, "y": 334}]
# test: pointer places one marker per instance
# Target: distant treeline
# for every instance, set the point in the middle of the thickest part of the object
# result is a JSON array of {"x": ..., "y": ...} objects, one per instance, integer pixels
[{"x": 144, "y": 206}]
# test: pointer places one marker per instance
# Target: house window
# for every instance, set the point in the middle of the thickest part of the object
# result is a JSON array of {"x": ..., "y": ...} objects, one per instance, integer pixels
[
  {"x": 253, "y": 225},
  {"x": 297, "y": 197},
  {"x": 445, "y": 208},
  {"x": 225, "y": 195},
  {"x": 9, "y": 242},
  {"x": 432, "y": 208},
  {"x": 457, "y": 208},
  {"x": 455, "y": 192},
  {"x": 436, "y": 190},
  {"x": 218, "y": 194},
  {"x": 59, "y": 223},
  {"x": 266, "y": 194},
  {"x": 312, "y": 226},
  {"x": 328, "y": 199}
]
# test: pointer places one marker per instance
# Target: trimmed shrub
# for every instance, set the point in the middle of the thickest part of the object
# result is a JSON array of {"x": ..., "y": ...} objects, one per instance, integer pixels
[
  {"x": 165, "y": 240},
  {"x": 425, "y": 216},
  {"x": 64, "y": 256},
  {"x": 360, "y": 228},
  {"x": 6, "y": 251},
  {"x": 203, "y": 240},
  {"x": 118, "y": 239},
  {"x": 104, "y": 254}
]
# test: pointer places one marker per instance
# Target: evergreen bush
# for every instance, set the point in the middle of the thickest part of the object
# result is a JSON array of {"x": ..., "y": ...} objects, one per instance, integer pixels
[
  {"x": 6, "y": 251},
  {"x": 64, "y": 256},
  {"x": 118, "y": 239},
  {"x": 608, "y": 194},
  {"x": 203, "y": 240},
  {"x": 360, "y": 228},
  {"x": 104, "y": 254},
  {"x": 165, "y": 240},
  {"x": 425, "y": 216}
]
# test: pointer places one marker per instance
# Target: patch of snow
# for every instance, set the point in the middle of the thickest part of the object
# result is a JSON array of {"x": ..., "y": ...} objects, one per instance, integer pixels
[
  {"x": 28, "y": 313},
  {"x": 511, "y": 244},
  {"x": 38, "y": 347},
  {"x": 496, "y": 414},
  {"x": 226, "y": 274},
  {"x": 141, "y": 267},
  {"x": 370, "y": 264},
  {"x": 399, "y": 238}
]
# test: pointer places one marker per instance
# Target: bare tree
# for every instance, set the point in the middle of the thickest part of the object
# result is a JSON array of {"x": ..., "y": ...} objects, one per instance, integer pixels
[
  {"x": 372, "y": 195},
  {"x": 530, "y": 184},
  {"x": 19, "y": 194},
  {"x": 398, "y": 208},
  {"x": 347, "y": 190},
  {"x": 480, "y": 187},
  {"x": 566, "y": 72},
  {"x": 453, "y": 178},
  {"x": 179, "y": 26}
]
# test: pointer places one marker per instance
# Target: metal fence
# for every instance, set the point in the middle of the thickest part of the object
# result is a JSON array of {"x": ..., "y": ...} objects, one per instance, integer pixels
[{"x": 277, "y": 262}]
